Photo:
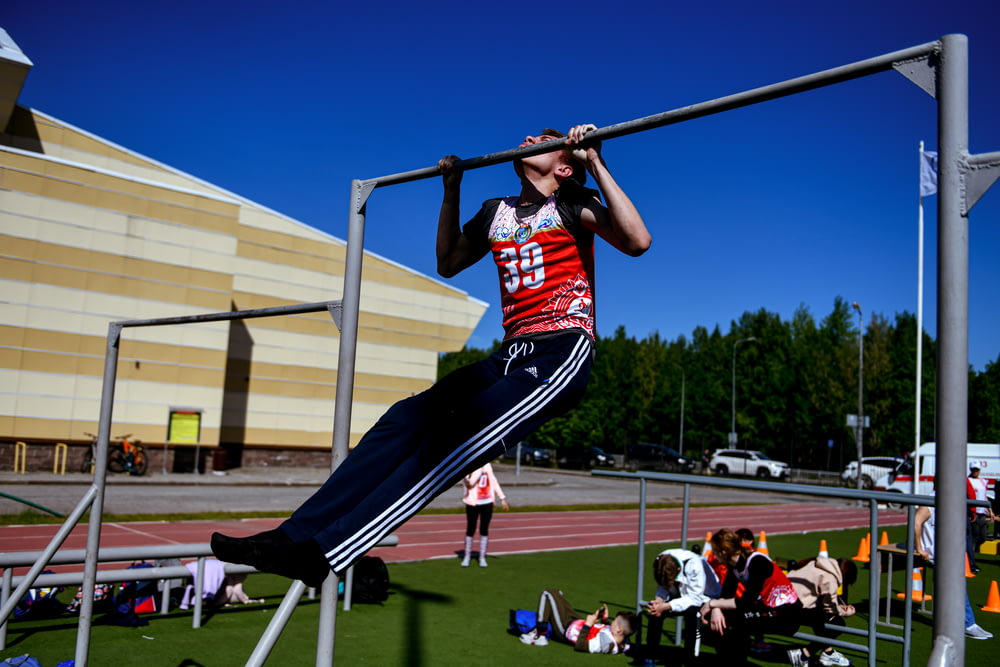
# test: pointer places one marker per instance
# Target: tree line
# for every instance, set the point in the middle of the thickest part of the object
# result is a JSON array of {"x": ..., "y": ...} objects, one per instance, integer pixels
[{"x": 796, "y": 382}]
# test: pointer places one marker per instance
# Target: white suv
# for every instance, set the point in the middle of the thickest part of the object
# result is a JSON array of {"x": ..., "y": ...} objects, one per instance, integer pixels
[
  {"x": 872, "y": 468},
  {"x": 746, "y": 462}
]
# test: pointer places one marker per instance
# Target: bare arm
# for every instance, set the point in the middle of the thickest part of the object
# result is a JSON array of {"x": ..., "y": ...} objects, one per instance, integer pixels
[
  {"x": 919, "y": 519},
  {"x": 619, "y": 223},
  {"x": 454, "y": 251}
]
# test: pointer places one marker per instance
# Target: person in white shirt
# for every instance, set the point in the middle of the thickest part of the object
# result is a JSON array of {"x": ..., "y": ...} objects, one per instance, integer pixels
[
  {"x": 924, "y": 538},
  {"x": 684, "y": 582},
  {"x": 481, "y": 490},
  {"x": 979, "y": 516}
]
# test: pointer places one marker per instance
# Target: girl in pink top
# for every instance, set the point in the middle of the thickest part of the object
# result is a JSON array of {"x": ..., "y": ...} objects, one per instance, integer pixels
[{"x": 481, "y": 490}]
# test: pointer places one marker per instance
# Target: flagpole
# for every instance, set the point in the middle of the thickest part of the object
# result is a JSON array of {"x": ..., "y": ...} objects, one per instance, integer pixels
[{"x": 920, "y": 325}]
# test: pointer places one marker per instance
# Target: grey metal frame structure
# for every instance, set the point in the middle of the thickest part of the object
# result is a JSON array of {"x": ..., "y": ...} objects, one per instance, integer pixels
[
  {"x": 871, "y": 498},
  {"x": 941, "y": 69},
  {"x": 93, "y": 499},
  {"x": 199, "y": 551}
]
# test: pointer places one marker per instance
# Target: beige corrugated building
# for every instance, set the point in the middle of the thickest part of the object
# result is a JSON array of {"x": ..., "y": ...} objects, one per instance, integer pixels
[{"x": 92, "y": 232}]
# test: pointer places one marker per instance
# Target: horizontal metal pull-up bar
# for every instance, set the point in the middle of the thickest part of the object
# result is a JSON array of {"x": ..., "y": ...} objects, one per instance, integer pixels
[
  {"x": 800, "y": 84},
  {"x": 295, "y": 309}
]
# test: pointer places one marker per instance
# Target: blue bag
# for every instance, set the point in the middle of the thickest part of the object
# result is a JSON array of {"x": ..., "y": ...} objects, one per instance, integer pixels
[
  {"x": 525, "y": 620},
  {"x": 21, "y": 661}
]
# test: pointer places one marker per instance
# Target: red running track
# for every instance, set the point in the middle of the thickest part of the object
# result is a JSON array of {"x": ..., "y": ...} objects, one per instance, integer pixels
[{"x": 441, "y": 536}]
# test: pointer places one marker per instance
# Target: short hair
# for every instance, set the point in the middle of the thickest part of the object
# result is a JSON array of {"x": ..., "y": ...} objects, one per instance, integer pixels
[
  {"x": 628, "y": 620},
  {"x": 579, "y": 170}
]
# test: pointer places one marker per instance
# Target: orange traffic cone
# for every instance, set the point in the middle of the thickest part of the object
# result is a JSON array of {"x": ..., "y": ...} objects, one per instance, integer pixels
[
  {"x": 884, "y": 540},
  {"x": 862, "y": 556},
  {"x": 969, "y": 574},
  {"x": 918, "y": 587},
  {"x": 707, "y": 549},
  {"x": 993, "y": 599},
  {"x": 823, "y": 553},
  {"x": 762, "y": 544}
]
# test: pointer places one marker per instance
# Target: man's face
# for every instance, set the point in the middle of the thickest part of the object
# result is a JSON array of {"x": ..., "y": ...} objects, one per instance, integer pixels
[
  {"x": 544, "y": 162},
  {"x": 532, "y": 140}
]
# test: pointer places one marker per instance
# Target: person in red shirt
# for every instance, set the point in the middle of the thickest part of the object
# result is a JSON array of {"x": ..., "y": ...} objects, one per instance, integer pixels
[
  {"x": 542, "y": 243},
  {"x": 768, "y": 605}
]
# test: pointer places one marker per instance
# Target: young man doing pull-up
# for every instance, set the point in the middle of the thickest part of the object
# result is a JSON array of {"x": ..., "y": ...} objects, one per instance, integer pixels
[{"x": 542, "y": 242}]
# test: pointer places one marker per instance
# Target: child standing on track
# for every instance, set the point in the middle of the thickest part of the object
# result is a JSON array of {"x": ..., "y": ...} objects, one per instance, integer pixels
[{"x": 481, "y": 490}]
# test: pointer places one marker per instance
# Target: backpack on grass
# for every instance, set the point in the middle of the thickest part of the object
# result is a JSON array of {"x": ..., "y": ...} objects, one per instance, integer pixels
[
  {"x": 522, "y": 621},
  {"x": 137, "y": 596},
  {"x": 40, "y": 602},
  {"x": 371, "y": 581}
]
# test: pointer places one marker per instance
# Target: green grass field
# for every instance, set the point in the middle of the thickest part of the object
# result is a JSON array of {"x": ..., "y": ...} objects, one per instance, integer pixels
[{"x": 441, "y": 614}]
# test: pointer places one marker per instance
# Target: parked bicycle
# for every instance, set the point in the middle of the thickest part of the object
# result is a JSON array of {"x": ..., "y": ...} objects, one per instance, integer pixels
[{"x": 124, "y": 455}]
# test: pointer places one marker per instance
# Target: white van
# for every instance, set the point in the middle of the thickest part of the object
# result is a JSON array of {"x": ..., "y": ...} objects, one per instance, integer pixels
[{"x": 987, "y": 457}]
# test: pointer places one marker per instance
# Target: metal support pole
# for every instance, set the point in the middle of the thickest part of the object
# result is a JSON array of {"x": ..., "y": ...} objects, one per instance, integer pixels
[
  {"x": 7, "y": 580},
  {"x": 349, "y": 588},
  {"x": 908, "y": 609},
  {"x": 680, "y": 437},
  {"x": 277, "y": 624},
  {"x": 351, "y": 298},
  {"x": 732, "y": 430},
  {"x": 199, "y": 588},
  {"x": 684, "y": 517},
  {"x": 873, "y": 580},
  {"x": 953, "y": 352},
  {"x": 165, "y": 598},
  {"x": 641, "y": 556},
  {"x": 97, "y": 508}
]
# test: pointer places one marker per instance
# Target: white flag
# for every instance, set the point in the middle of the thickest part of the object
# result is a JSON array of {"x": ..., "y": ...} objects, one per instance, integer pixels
[{"x": 928, "y": 173}]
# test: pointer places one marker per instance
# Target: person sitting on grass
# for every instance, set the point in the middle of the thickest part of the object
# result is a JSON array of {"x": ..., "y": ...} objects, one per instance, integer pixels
[
  {"x": 591, "y": 634},
  {"x": 816, "y": 582}
]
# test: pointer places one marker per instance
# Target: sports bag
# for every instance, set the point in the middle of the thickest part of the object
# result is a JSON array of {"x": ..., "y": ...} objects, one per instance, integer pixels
[
  {"x": 371, "y": 581},
  {"x": 525, "y": 620}
]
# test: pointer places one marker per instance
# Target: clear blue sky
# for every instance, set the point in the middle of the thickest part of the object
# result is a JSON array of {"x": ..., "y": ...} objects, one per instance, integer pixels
[{"x": 795, "y": 201}]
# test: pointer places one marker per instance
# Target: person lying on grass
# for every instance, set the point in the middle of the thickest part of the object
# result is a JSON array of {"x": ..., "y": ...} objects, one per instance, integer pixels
[{"x": 591, "y": 634}]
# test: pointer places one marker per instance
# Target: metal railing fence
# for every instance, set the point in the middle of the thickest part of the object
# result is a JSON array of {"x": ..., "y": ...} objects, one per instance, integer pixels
[{"x": 871, "y": 498}]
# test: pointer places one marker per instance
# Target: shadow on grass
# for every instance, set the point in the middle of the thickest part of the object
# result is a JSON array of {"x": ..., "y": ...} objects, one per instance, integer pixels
[
  {"x": 23, "y": 634},
  {"x": 416, "y": 602},
  {"x": 897, "y": 608}
]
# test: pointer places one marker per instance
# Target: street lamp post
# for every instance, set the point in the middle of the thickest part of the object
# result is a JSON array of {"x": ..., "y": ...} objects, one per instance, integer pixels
[
  {"x": 680, "y": 443},
  {"x": 860, "y": 428},
  {"x": 732, "y": 431}
]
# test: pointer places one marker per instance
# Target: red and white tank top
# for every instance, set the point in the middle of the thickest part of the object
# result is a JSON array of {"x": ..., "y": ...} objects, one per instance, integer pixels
[
  {"x": 776, "y": 590},
  {"x": 546, "y": 273}
]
